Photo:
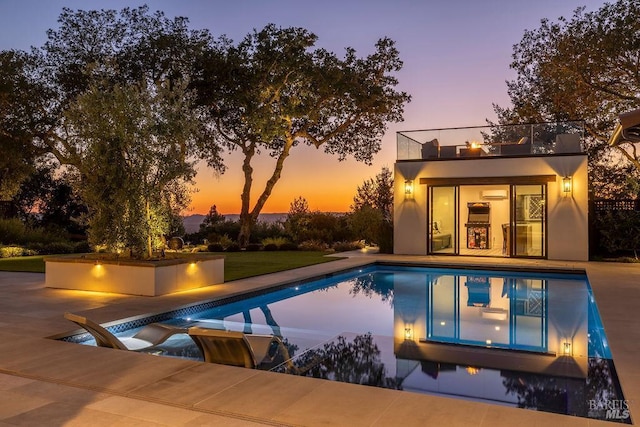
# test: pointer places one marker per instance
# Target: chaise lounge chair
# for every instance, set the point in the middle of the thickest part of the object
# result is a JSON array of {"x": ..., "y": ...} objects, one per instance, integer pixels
[
  {"x": 149, "y": 336},
  {"x": 239, "y": 349}
]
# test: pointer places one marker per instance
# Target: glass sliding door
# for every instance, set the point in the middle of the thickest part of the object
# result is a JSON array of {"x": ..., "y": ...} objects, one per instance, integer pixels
[
  {"x": 527, "y": 233},
  {"x": 442, "y": 236}
]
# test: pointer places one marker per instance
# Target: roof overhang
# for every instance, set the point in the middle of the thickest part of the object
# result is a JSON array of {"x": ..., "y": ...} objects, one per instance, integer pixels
[{"x": 628, "y": 129}]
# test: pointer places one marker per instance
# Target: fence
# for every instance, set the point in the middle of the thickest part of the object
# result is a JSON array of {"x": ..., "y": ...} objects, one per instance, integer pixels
[{"x": 609, "y": 205}]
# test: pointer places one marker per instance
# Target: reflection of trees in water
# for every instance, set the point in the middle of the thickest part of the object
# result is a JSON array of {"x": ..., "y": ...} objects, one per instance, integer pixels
[
  {"x": 355, "y": 362},
  {"x": 564, "y": 395},
  {"x": 368, "y": 286}
]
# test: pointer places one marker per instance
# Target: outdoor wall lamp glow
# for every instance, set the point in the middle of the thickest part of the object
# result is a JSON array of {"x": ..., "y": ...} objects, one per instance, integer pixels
[
  {"x": 566, "y": 186},
  {"x": 408, "y": 333},
  {"x": 408, "y": 189},
  {"x": 566, "y": 348}
]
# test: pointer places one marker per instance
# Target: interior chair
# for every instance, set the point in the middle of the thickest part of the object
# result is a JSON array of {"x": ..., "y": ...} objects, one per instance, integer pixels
[
  {"x": 239, "y": 349},
  {"x": 149, "y": 336}
]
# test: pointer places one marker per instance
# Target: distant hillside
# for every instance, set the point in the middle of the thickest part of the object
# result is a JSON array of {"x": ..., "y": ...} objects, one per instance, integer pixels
[{"x": 192, "y": 222}]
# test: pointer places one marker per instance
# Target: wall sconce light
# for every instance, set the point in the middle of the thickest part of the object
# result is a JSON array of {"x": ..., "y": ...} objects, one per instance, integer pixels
[
  {"x": 408, "y": 333},
  {"x": 566, "y": 186},
  {"x": 566, "y": 348},
  {"x": 408, "y": 189}
]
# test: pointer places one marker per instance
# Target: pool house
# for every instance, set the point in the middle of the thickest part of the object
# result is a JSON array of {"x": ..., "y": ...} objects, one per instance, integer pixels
[{"x": 518, "y": 191}]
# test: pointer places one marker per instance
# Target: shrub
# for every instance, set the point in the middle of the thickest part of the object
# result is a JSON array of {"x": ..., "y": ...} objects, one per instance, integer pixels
[
  {"x": 15, "y": 232},
  {"x": 11, "y": 251},
  {"x": 313, "y": 245},
  {"x": 385, "y": 238},
  {"x": 288, "y": 246},
  {"x": 223, "y": 240},
  {"x": 56, "y": 248},
  {"x": 234, "y": 247},
  {"x": 215, "y": 247},
  {"x": 270, "y": 247},
  {"x": 617, "y": 232},
  {"x": 253, "y": 247},
  {"x": 82, "y": 248},
  {"x": 278, "y": 241},
  {"x": 12, "y": 231},
  {"x": 347, "y": 246}
]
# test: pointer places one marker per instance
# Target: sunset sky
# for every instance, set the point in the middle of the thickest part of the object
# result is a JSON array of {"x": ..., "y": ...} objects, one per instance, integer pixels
[{"x": 456, "y": 57}]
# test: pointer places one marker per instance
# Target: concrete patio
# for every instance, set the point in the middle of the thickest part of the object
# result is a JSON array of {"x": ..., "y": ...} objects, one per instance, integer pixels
[{"x": 54, "y": 383}]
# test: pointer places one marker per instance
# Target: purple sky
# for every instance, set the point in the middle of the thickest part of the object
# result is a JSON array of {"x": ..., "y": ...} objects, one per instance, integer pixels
[{"x": 456, "y": 57}]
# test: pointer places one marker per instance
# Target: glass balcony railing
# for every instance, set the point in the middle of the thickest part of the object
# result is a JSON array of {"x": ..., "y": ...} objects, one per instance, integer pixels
[{"x": 497, "y": 141}]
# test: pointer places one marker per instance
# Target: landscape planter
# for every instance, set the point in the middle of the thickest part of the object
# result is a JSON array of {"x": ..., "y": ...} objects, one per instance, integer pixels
[{"x": 144, "y": 277}]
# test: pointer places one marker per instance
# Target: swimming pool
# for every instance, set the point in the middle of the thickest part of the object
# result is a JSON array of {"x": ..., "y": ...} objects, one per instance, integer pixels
[{"x": 529, "y": 340}]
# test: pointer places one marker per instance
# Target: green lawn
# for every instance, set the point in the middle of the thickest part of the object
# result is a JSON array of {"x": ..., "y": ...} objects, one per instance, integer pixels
[
  {"x": 31, "y": 264},
  {"x": 237, "y": 265}
]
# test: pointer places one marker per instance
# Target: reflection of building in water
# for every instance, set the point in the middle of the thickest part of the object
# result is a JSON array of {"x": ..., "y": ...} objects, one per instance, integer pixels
[{"x": 521, "y": 324}]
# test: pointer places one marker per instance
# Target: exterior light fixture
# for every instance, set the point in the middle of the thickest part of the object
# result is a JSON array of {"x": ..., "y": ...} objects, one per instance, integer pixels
[
  {"x": 408, "y": 189},
  {"x": 566, "y": 348},
  {"x": 566, "y": 186},
  {"x": 408, "y": 333}
]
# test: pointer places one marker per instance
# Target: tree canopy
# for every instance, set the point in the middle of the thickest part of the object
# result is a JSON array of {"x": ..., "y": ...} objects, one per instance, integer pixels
[
  {"x": 274, "y": 91},
  {"x": 121, "y": 117},
  {"x": 19, "y": 119},
  {"x": 585, "y": 67},
  {"x": 372, "y": 217}
]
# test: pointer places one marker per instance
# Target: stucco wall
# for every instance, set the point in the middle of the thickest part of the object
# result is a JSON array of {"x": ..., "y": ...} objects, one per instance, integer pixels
[
  {"x": 129, "y": 278},
  {"x": 567, "y": 216}
]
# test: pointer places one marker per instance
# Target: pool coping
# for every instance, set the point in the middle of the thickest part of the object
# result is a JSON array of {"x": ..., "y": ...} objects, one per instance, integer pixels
[{"x": 299, "y": 401}]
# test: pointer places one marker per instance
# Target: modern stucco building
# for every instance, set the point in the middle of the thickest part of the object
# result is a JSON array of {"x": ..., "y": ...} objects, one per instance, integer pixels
[{"x": 509, "y": 191}]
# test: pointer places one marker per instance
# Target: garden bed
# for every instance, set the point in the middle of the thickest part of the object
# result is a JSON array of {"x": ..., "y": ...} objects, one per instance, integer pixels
[{"x": 134, "y": 277}]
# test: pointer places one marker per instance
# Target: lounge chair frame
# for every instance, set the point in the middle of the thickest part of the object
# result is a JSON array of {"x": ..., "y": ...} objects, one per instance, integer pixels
[{"x": 149, "y": 336}]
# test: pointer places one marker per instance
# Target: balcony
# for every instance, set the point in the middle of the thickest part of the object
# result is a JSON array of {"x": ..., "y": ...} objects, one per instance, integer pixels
[{"x": 527, "y": 140}]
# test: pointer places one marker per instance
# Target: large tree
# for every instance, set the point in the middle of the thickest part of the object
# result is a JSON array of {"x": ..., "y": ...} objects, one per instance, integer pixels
[
  {"x": 372, "y": 210},
  {"x": 585, "y": 67},
  {"x": 120, "y": 116},
  {"x": 274, "y": 91},
  {"x": 19, "y": 118},
  {"x": 132, "y": 169}
]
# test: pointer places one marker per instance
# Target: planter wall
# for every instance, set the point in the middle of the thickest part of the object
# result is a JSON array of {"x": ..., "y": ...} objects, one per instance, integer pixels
[{"x": 149, "y": 278}]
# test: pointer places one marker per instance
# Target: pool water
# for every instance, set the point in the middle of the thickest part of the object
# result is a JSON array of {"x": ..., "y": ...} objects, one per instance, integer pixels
[{"x": 528, "y": 340}]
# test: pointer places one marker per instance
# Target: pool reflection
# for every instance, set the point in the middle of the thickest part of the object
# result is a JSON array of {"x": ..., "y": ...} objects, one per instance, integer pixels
[
  {"x": 529, "y": 342},
  {"x": 540, "y": 324}
]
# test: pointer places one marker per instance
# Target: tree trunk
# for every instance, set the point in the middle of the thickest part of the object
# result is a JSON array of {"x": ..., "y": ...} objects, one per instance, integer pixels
[
  {"x": 149, "y": 237},
  {"x": 248, "y": 219},
  {"x": 246, "y": 223}
]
